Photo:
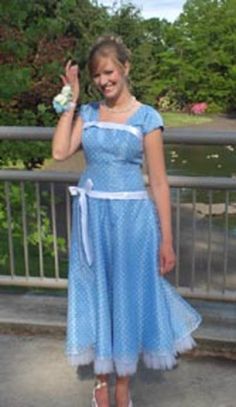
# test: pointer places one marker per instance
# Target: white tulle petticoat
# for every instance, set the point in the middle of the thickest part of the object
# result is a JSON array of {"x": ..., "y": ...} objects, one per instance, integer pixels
[{"x": 160, "y": 361}]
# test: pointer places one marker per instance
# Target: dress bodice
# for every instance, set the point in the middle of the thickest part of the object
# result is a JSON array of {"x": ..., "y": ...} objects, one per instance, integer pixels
[{"x": 114, "y": 151}]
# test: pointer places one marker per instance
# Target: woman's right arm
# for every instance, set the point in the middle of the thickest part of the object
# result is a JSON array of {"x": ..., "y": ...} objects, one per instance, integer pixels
[{"x": 67, "y": 135}]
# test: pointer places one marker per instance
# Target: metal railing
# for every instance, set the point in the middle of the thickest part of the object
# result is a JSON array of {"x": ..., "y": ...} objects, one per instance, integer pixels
[{"x": 35, "y": 239}]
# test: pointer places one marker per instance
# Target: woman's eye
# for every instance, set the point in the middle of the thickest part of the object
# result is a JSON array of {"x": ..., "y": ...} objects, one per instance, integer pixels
[{"x": 108, "y": 72}]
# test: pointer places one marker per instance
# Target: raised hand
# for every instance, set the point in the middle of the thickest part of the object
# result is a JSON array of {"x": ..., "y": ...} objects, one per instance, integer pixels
[{"x": 71, "y": 77}]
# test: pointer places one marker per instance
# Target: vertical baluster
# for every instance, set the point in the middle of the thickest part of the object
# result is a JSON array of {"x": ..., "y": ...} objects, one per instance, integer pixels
[
  {"x": 25, "y": 232},
  {"x": 9, "y": 228},
  {"x": 209, "y": 256},
  {"x": 54, "y": 230},
  {"x": 226, "y": 240},
  {"x": 39, "y": 227},
  {"x": 177, "y": 236},
  {"x": 193, "y": 240}
]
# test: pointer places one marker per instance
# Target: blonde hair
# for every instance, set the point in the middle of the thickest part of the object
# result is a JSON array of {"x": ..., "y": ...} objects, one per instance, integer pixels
[{"x": 108, "y": 46}]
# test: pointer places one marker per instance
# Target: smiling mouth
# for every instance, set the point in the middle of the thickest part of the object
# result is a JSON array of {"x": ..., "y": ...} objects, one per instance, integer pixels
[
  {"x": 108, "y": 87},
  {"x": 108, "y": 90}
]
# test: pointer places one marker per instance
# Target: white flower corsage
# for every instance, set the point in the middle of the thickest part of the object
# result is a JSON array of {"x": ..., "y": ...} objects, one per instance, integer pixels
[{"x": 63, "y": 101}]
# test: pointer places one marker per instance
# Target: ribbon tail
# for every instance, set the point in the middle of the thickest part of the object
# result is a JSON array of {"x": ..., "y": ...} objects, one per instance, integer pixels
[{"x": 84, "y": 227}]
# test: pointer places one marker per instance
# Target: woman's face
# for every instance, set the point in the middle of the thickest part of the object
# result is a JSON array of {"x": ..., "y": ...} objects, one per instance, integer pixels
[{"x": 109, "y": 78}]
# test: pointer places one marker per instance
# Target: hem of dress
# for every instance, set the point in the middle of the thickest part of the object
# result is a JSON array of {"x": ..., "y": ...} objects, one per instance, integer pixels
[{"x": 162, "y": 360}]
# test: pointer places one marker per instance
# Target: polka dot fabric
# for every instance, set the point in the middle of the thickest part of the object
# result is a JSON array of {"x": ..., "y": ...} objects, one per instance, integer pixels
[{"x": 120, "y": 308}]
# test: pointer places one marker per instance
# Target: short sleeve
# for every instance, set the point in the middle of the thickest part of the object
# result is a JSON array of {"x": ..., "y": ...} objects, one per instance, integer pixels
[
  {"x": 152, "y": 121},
  {"x": 88, "y": 112},
  {"x": 83, "y": 112}
]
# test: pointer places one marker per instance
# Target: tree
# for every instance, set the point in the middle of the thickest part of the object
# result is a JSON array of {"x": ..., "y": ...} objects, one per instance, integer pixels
[
  {"x": 37, "y": 38},
  {"x": 205, "y": 46}
]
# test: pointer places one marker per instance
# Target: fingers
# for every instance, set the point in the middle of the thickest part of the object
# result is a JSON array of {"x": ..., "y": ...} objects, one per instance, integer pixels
[
  {"x": 67, "y": 67},
  {"x": 167, "y": 261},
  {"x": 71, "y": 77},
  {"x": 169, "y": 265},
  {"x": 71, "y": 71},
  {"x": 162, "y": 264}
]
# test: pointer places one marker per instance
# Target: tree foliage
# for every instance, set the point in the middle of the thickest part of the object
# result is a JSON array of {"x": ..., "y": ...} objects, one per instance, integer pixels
[
  {"x": 191, "y": 60},
  {"x": 205, "y": 46}
]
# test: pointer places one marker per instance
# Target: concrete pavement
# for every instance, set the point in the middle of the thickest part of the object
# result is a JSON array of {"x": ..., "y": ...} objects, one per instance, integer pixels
[{"x": 34, "y": 371}]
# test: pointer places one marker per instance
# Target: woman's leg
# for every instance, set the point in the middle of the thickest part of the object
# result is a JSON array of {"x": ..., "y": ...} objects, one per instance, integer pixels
[
  {"x": 122, "y": 394},
  {"x": 101, "y": 391}
]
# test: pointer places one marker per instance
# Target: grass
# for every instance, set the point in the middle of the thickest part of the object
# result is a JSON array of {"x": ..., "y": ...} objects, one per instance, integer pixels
[{"x": 175, "y": 119}]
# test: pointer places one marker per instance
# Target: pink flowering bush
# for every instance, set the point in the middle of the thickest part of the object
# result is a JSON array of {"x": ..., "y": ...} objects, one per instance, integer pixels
[{"x": 198, "y": 108}]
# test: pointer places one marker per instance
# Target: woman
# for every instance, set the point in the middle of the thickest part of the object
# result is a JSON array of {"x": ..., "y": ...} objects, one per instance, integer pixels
[{"x": 120, "y": 307}]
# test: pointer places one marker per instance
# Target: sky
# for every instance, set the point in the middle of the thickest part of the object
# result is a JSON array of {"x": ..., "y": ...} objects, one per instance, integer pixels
[{"x": 168, "y": 9}]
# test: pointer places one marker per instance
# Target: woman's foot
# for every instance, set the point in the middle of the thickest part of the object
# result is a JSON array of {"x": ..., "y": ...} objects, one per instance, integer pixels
[
  {"x": 100, "y": 394},
  {"x": 122, "y": 393}
]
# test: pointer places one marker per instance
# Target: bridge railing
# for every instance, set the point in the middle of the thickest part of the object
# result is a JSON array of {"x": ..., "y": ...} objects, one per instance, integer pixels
[{"x": 36, "y": 219}]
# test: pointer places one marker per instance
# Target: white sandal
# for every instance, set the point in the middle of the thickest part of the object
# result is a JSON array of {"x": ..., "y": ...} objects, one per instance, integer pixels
[
  {"x": 130, "y": 403},
  {"x": 98, "y": 385}
]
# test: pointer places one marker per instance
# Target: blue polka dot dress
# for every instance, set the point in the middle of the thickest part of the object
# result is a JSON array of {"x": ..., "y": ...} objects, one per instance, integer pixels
[{"x": 120, "y": 308}]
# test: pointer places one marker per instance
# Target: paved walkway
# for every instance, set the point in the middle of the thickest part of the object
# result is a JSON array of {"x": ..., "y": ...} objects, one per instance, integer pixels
[{"x": 34, "y": 371}]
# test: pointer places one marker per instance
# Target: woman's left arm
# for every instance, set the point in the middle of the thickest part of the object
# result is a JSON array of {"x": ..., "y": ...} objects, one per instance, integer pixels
[{"x": 154, "y": 152}]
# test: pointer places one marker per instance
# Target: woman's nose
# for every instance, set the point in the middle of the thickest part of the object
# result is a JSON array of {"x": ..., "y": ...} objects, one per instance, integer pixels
[{"x": 103, "y": 80}]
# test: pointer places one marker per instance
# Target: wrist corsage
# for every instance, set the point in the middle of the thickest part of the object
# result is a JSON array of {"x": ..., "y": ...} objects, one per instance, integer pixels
[{"x": 63, "y": 101}]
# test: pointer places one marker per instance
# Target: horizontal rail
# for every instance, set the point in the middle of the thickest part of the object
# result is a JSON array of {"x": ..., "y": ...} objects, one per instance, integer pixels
[
  {"x": 202, "y": 182},
  {"x": 26, "y": 133},
  {"x": 44, "y": 282},
  {"x": 62, "y": 283},
  {"x": 212, "y": 295},
  {"x": 60, "y": 176},
  {"x": 40, "y": 176},
  {"x": 171, "y": 135},
  {"x": 199, "y": 137}
]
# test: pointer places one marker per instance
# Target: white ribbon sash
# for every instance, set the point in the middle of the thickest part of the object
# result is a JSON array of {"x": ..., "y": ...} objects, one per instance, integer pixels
[{"x": 82, "y": 194}]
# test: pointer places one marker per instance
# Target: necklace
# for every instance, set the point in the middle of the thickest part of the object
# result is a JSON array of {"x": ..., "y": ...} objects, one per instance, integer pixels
[{"x": 127, "y": 107}]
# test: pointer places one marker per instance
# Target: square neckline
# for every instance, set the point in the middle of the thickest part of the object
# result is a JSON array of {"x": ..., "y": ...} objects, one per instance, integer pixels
[{"x": 125, "y": 123}]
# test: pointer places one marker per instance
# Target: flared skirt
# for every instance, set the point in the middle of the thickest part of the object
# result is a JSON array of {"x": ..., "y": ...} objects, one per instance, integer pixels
[{"x": 120, "y": 308}]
